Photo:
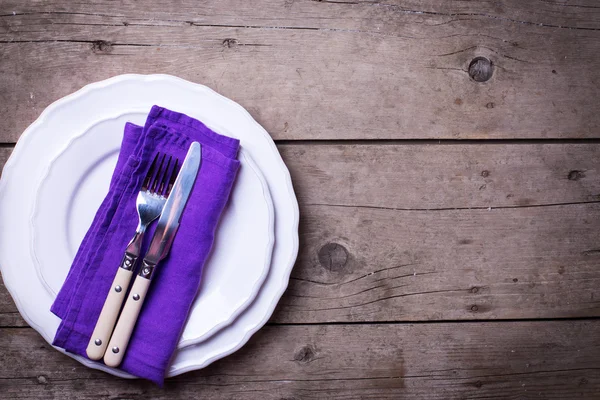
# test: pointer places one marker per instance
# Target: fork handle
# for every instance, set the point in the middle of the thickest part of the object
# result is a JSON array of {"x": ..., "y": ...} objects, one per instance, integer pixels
[
  {"x": 110, "y": 310},
  {"x": 122, "y": 333}
]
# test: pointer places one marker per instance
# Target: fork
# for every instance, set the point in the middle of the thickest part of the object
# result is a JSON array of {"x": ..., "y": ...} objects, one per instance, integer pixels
[{"x": 150, "y": 201}]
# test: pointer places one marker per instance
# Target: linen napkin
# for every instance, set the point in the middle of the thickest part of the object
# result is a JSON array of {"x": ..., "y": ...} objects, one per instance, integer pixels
[{"x": 177, "y": 278}]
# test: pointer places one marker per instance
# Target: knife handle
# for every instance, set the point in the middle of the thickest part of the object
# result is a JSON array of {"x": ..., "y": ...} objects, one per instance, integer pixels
[
  {"x": 122, "y": 333},
  {"x": 110, "y": 310}
]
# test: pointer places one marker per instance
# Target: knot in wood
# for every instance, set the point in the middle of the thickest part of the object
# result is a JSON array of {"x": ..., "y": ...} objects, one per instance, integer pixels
[
  {"x": 42, "y": 379},
  {"x": 481, "y": 69},
  {"x": 575, "y": 175},
  {"x": 485, "y": 173},
  {"x": 333, "y": 256},
  {"x": 304, "y": 355},
  {"x": 101, "y": 46},
  {"x": 230, "y": 42}
]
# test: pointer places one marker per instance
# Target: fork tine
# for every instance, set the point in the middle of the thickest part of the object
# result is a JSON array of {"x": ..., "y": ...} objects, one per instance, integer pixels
[
  {"x": 156, "y": 177},
  {"x": 151, "y": 172},
  {"x": 163, "y": 178},
  {"x": 172, "y": 176}
]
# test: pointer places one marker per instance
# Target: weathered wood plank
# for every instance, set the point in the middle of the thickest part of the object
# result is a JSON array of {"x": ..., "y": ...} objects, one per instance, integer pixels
[
  {"x": 321, "y": 69},
  {"x": 370, "y": 264},
  {"x": 548, "y": 360},
  {"x": 444, "y": 232},
  {"x": 433, "y": 176},
  {"x": 426, "y": 177},
  {"x": 393, "y": 233},
  {"x": 310, "y": 14}
]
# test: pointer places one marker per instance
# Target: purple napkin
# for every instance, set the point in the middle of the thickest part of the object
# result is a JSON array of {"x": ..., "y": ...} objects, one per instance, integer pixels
[{"x": 177, "y": 278}]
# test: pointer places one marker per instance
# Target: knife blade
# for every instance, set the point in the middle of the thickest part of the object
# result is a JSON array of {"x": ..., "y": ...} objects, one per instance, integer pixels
[
  {"x": 165, "y": 232},
  {"x": 168, "y": 223}
]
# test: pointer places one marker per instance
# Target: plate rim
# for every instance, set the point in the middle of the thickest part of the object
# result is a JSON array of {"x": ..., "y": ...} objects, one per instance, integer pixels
[{"x": 25, "y": 139}]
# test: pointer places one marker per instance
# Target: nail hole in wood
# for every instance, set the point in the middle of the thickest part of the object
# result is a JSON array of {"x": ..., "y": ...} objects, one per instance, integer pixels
[{"x": 481, "y": 69}]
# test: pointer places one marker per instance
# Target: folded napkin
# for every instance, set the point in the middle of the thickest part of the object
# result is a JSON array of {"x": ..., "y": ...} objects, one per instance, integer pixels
[{"x": 177, "y": 278}]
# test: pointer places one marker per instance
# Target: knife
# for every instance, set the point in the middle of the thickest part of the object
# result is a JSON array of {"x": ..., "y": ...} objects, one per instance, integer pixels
[{"x": 160, "y": 245}]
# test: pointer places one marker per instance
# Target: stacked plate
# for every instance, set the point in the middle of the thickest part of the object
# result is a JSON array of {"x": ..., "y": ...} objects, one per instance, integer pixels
[{"x": 58, "y": 175}]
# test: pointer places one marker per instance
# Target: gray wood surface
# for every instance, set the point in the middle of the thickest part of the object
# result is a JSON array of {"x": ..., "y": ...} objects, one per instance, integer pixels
[
  {"x": 492, "y": 360},
  {"x": 324, "y": 69},
  {"x": 428, "y": 269}
]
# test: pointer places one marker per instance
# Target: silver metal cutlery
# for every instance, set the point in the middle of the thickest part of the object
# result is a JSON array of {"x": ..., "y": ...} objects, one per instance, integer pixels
[
  {"x": 151, "y": 199},
  {"x": 160, "y": 246}
]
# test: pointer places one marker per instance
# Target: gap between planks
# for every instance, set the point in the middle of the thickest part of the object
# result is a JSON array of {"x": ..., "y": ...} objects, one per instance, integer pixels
[
  {"x": 399, "y": 323},
  {"x": 402, "y": 142}
]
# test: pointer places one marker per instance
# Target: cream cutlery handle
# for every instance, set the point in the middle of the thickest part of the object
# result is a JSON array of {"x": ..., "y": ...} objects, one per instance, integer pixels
[
  {"x": 108, "y": 316},
  {"x": 120, "y": 337}
]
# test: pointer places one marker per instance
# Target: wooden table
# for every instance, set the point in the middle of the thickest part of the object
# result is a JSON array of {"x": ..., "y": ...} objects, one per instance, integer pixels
[{"x": 445, "y": 155}]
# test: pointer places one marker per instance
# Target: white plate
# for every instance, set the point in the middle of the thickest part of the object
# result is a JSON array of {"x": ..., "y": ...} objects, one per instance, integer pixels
[
  {"x": 74, "y": 186},
  {"x": 68, "y": 118}
]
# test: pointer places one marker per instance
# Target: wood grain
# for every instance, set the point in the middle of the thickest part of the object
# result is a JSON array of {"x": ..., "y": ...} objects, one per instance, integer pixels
[
  {"x": 441, "y": 232},
  {"x": 436, "y": 177},
  {"x": 364, "y": 264},
  {"x": 324, "y": 69},
  {"x": 444, "y": 232},
  {"x": 547, "y": 360}
]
